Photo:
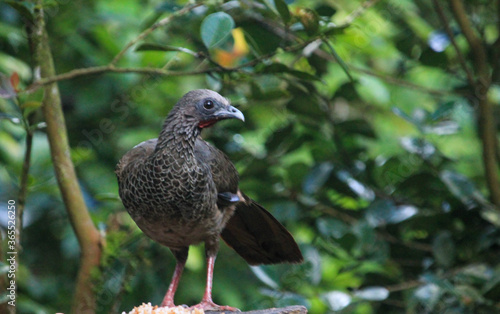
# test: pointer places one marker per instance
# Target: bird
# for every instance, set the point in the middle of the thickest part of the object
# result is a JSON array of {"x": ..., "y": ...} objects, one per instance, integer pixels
[{"x": 180, "y": 191}]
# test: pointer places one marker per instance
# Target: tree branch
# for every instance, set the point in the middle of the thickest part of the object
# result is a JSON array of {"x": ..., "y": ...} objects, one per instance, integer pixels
[
  {"x": 460, "y": 56},
  {"x": 107, "y": 68},
  {"x": 158, "y": 71},
  {"x": 416, "y": 283},
  {"x": 486, "y": 118},
  {"x": 86, "y": 233},
  {"x": 476, "y": 45},
  {"x": 496, "y": 52}
]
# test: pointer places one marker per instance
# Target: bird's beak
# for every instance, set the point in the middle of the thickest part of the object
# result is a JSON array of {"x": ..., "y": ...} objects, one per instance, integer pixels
[{"x": 230, "y": 112}]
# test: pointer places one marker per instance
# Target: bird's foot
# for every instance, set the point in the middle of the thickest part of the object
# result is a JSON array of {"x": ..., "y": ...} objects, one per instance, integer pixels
[{"x": 211, "y": 306}]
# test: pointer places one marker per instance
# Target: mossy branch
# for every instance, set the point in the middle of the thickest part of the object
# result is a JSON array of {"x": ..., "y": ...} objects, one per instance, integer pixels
[{"x": 86, "y": 233}]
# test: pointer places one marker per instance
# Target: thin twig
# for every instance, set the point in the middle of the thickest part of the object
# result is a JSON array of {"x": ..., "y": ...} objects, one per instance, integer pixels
[
  {"x": 404, "y": 285},
  {"x": 341, "y": 62},
  {"x": 412, "y": 245},
  {"x": 395, "y": 81},
  {"x": 149, "y": 30},
  {"x": 416, "y": 283},
  {"x": 359, "y": 11},
  {"x": 460, "y": 56}
]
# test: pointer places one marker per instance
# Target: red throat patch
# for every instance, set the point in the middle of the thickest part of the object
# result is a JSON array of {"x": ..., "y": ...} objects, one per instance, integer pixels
[{"x": 206, "y": 124}]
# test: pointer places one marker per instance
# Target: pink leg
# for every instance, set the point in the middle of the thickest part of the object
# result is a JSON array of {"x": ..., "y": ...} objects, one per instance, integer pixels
[
  {"x": 206, "y": 303},
  {"x": 168, "y": 300}
]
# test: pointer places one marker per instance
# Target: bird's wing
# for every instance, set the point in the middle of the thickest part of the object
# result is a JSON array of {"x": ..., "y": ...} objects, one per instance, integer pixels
[
  {"x": 223, "y": 171},
  {"x": 251, "y": 231},
  {"x": 135, "y": 157}
]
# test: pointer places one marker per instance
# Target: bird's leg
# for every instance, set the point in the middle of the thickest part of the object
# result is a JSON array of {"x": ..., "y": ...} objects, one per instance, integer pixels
[
  {"x": 206, "y": 303},
  {"x": 181, "y": 257}
]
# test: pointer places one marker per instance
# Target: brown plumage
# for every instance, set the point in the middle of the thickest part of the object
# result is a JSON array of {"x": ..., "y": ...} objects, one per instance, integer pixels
[{"x": 181, "y": 191}]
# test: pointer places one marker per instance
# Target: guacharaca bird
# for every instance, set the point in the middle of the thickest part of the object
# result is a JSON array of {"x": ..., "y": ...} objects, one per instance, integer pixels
[{"x": 181, "y": 191}]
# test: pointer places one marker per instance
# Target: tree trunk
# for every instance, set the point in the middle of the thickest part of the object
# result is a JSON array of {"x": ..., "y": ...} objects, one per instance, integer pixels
[{"x": 87, "y": 234}]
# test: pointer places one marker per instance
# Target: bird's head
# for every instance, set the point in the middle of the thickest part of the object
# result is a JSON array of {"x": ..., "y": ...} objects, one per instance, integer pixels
[{"x": 205, "y": 108}]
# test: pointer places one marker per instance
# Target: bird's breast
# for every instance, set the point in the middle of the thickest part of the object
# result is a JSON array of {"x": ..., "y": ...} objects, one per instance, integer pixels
[{"x": 169, "y": 188}]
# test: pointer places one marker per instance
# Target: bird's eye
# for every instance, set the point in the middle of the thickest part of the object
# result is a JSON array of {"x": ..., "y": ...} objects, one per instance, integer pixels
[{"x": 208, "y": 104}]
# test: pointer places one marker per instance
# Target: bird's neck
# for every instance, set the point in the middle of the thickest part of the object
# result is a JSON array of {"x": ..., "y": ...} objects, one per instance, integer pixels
[{"x": 178, "y": 135}]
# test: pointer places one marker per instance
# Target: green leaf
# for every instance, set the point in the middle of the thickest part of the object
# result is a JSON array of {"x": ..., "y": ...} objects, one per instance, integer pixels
[
  {"x": 259, "y": 38},
  {"x": 443, "y": 249},
  {"x": 337, "y": 300},
  {"x": 382, "y": 212},
  {"x": 405, "y": 116},
  {"x": 10, "y": 117},
  {"x": 264, "y": 277},
  {"x": 167, "y": 6},
  {"x": 462, "y": 188},
  {"x": 443, "y": 110},
  {"x": 332, "y": 227},
  {"x": 312, "y": 262},
  {"x": 158, "y": 47},
  {"x": 429, "y": 295},
  {"x": 492, "y": 215},
  {"x": 29, "y": 107},
  {"x": 24, "y": 8},
  {"x": 216, "y": 28},
  {"x": 372, "y": 293},
  {"x": 317, "y": 177},
  {"x": 325, "y": 10},
  {"x": 469, "y": 293},
  {"x": 275, "y": 67},
  {"x": 303, "y": 75},
  {"x": 38, "y": 126},
  {"x": 358, "y": 126},
  {"x": 279, "y": 68},
  {"x": 282, "y": 9},
  {"x": 418, "y": 146}
]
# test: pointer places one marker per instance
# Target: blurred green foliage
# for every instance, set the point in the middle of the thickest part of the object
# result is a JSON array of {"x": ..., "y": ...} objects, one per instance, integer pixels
[{"x": 358, "y": 137}]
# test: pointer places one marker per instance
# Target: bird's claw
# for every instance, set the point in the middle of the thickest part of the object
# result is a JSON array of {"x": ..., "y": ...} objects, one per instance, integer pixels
[{"x": 211, "y": 306}]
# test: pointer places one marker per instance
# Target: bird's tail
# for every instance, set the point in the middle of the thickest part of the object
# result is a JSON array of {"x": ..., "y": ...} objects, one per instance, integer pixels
[{"x": 258, "y": 237}]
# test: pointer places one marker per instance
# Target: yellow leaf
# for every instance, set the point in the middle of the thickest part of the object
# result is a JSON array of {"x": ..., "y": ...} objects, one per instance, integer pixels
[{"x": 240, "y": 44}]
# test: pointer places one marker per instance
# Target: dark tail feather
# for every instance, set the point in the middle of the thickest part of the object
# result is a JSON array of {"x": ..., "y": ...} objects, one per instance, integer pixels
[{"x": 258, "y": 237}]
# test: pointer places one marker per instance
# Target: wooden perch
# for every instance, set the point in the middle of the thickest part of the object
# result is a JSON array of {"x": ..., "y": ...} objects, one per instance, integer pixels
[
  {"x": 294, "y": 309},
  {"x": 150, "y": 309}
]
